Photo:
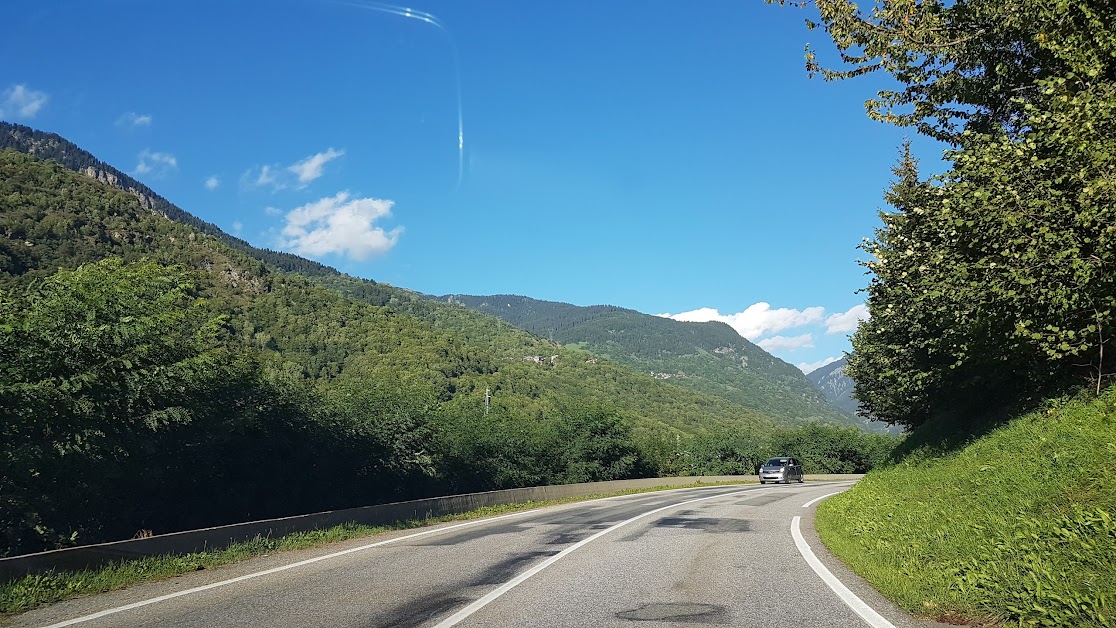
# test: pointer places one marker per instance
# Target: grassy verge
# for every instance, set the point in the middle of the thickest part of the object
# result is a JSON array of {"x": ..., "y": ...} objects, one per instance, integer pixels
[
  {"x": 33, "y": 591},
  {"x": 1016, "y": 526}
]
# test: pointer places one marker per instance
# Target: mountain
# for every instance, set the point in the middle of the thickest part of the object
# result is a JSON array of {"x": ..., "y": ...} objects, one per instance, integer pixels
[
  {"x": 160, "y": 374},
  {"x": 838, "y": 389},
  {"x": 707, "y": 357},
  {"x": 54, "y": 147},
  {"x": 158, "y": 378},
  {"x": 328, "y": 324},
  {"x": 656, "y": 399}
]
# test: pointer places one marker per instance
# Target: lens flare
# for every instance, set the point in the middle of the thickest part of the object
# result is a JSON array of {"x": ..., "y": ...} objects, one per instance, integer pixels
[{"x": 431, "y": 19}]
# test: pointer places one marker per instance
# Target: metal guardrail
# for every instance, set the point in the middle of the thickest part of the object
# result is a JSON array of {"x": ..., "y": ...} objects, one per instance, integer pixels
[{"x": 178, "y": 543}]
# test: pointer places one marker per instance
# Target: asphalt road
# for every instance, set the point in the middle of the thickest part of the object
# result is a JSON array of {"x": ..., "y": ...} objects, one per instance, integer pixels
[{"x": 722, "y": 555}]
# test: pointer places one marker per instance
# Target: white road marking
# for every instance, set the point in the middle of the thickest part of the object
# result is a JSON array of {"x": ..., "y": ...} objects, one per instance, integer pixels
[
  {"x": 866, "y": 612},
  {"x": 214, "y": 585},
  {"x": 514, "y": 582},
  {"x": 818, "y": 499}
]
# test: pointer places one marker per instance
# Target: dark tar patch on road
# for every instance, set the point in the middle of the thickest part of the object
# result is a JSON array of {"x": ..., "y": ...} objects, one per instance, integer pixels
[
  {"x": 680, "y": 612},
  {"x": 420, "y": 611},
  {"x": 584, "y": 519},
  {"x": 470, "y": 535},
  {"x": 763, "y": 500},
  {"x": 508, "y": 568},
  {"x": 567, "y": 538},
  {"x": 705, "y": 524}
]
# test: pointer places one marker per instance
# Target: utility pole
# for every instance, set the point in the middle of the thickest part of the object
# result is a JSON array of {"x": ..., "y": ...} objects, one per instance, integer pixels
[{"x": 487, "y": 400}]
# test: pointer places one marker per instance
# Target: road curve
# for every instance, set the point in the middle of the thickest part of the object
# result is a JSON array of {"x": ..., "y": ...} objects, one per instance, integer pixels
[{"x": 718, "y": 555}]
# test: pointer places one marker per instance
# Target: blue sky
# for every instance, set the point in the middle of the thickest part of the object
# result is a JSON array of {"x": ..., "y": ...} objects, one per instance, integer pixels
[{"x": 660, "y": 156}]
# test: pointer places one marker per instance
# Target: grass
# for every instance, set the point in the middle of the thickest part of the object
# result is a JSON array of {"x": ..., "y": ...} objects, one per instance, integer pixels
[
  {"x": 1016, "y": 526},
  {"x": 37, "y": 590}
]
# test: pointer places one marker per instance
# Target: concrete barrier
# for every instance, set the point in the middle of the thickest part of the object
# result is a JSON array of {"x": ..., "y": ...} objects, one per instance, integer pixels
[{"x": 178, "y": 543}]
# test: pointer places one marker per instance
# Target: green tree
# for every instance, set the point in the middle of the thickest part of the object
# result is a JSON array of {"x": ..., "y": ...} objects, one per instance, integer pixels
[
  {"x": 95, "y": 362},
  {"x": 992, "y": 282},
  {"x": 594, "y": 445},
  {"x": 964, "y": 66}
]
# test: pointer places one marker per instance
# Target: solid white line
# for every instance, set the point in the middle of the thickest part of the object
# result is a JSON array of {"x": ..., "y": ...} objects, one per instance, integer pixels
[
  {"x": 214, "y": 585},
  {"x": 818, "y": 499},
  {"x": 514, "y": 582},
  {"x": 866, "y": 613}
]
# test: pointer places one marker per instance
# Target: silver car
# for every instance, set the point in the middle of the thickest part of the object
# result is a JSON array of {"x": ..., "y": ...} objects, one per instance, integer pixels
[{"x": 780, "y": 469}]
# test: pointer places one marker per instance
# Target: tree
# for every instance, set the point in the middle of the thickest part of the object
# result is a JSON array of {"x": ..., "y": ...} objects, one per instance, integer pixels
[
  {"x": 96, "y": 361},
  {"x": 895, "y": 363},
  {"x": 964, "y": 66},
  {"x": 593, "y": 445},
  {"x": 992, "y": 281}
]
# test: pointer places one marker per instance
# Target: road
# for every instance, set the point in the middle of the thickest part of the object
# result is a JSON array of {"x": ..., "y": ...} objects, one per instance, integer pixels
[{"x": 720, "y": 555}]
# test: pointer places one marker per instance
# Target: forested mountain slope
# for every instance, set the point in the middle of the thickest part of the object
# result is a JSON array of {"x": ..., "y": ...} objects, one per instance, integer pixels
[
  {"x": 275, "y": 394},
  {"x": 707, "y": 357},
  {"x": 60, "y": 220},
  {"x": 171, "y": 380},
  {"x": 56, "y": 148}
]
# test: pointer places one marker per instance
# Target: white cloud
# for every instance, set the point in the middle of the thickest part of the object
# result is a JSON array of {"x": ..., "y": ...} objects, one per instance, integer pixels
[
  {"x": 297, "y": 175},
  {"x": 156, "y": 163},
  {"x": 845, "y": 322},
  {"x": 311, "y": 168},
  {"x": 212, "y": 182},
  {"x": 787, "y": 343},
  {"x": 20, "y": 102},
  {"x": 237, "y": 227},
  {"x": 266, "y": 177},
  {"x": 757, "y": 320},
  {"x": 810, "y": 367},
  {"x": 338, "y": 224},
  {"x": 133, "y": 119},
  {"x": 272, "y": 211}
]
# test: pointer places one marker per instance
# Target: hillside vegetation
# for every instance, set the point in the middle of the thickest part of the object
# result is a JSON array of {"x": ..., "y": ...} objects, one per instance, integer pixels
[
  {"x": 707, "y": 357},
  {"x": 158, "y": 379},
  {"x": 1018, "y": 524}
]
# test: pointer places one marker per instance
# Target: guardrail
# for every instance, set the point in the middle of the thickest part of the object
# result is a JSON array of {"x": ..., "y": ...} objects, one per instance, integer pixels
[{"x": 93, "y": 556}]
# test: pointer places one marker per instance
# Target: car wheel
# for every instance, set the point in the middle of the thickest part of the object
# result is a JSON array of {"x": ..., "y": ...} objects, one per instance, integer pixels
[
  {"x": 801, "y": 479},
  {"x": 762, "y": 482}
]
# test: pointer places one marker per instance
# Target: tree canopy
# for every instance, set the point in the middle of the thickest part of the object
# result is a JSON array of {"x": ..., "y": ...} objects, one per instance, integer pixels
[{"x": 993, "y": 282}]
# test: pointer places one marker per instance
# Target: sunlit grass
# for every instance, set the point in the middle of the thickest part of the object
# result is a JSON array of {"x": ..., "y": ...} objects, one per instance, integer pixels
[{"x": 1016, "y": 526}]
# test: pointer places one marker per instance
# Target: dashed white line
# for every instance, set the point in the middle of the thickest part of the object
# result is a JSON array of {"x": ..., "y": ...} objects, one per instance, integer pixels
[{"x": 866, "y": 612}]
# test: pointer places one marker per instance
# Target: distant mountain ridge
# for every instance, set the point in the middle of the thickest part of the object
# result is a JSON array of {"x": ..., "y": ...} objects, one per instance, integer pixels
[
  {"x": 709, "y": 357},
  {"x": 837, "y": 387}
]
